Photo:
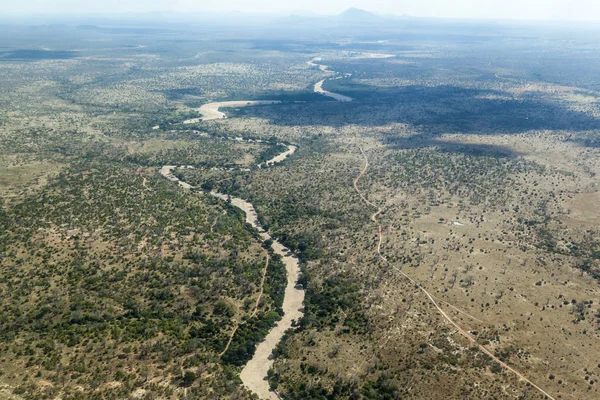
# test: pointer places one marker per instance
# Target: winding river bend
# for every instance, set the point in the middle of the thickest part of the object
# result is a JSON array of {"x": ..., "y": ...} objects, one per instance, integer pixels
[
  {"x": 318, "y": 88},
  {"x": 255, "y": 372},
  {"x": 211, "y": 111}
]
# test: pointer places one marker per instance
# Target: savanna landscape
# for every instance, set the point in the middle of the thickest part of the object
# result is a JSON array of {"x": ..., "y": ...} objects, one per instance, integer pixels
[{"x": 374, "y": 209}]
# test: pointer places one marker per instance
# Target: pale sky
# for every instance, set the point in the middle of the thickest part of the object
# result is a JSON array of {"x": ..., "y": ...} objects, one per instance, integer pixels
[{"x": 496, "y": 9}]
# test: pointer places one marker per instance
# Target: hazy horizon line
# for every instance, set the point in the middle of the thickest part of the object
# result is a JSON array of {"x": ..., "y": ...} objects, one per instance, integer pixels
[{"x": 279, "y": 14}]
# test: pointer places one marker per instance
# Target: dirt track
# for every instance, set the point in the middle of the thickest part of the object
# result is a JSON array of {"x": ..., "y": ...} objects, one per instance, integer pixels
[{"x": 463, "y": 332}]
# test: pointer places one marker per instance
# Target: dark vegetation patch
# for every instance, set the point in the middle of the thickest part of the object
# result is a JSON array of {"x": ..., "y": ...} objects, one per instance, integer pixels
[
  {"x": 35, "y": 55},
  {"x": 278, "y": 95},
  {"x": 178, "y": 94},
  {"x": 248, "y": 335},
  {"x": 585, "y": 139},
  {"x": 326, "y": 302},
  {"x": 467, "y": 149},
  {"x": 126, "y": 30},
  {"x": 438, "y": 110}
]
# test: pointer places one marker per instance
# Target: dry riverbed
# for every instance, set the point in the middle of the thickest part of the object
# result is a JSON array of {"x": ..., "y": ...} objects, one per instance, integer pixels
[
  {"x": 255, "y": 372},
  {"x": 211, "y": 111}
]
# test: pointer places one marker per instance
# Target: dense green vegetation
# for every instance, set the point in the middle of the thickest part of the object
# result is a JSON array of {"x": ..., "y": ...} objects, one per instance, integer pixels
[
  {"x": 109, "y": 261},
  {"x": 326, "y": 302}
]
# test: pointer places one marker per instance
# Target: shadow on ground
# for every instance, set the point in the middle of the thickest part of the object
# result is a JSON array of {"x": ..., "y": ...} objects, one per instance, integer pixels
[
  {"x": 432, "y": 110},
  {"x": 36, "y": 55},
  {"x": 471, "y": 149}
]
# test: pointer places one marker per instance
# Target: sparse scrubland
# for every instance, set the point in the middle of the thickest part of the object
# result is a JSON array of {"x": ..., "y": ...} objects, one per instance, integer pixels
[{"x": 480, "y": 189}]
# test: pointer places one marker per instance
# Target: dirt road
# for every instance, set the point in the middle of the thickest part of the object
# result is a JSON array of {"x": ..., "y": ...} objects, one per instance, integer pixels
[{"x": 463, "y": 332}]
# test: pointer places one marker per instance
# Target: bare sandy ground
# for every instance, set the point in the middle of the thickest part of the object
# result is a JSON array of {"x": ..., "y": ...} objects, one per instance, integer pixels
[
  {"x": 319, "y": 85},
  {"x": 167, "y": 172},
  {"x": 254, "y": 374},
  {"x": 339, "y": 97},
  {"x": 313, "y": 63},
  {"x": 211, "y": 111},
  {"x": 6, "y": 392},
  {"x": 280, "y": 157},
  {"x": 431, "y": 297},
  {"x": 373, "y": 55}
]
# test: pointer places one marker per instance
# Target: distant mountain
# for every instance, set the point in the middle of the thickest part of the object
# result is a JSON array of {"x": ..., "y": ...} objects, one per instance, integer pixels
[
  {"x": 350, "y": 21},
  {"x": 356, "y": 15}
]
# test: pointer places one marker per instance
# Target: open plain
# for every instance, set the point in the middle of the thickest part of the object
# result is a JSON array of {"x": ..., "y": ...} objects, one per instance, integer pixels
[{"x": 436, "y": 237}]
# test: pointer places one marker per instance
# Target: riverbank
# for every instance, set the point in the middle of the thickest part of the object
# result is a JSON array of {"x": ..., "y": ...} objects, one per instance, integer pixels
[{"x": 254, "y": 373}]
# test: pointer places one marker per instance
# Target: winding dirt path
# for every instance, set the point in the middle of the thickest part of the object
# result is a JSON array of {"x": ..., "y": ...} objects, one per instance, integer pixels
[
  {"x": 260, "y": 293},
  {"x": 231, "y": 335},
  {"x": 463, "y": 332},
  {"x": 262, "y": 284},
  {"x": 145, "y": 184}
]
